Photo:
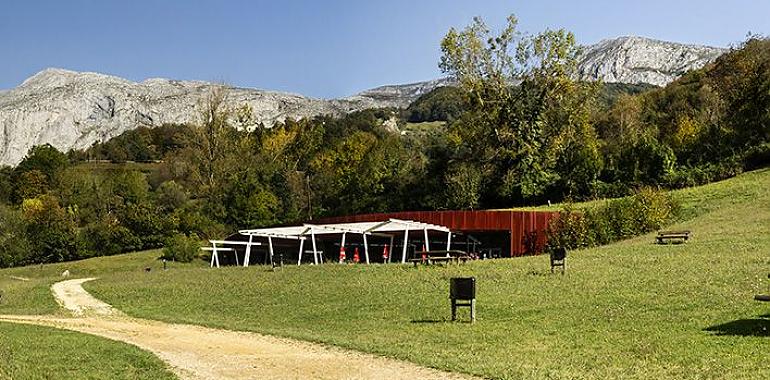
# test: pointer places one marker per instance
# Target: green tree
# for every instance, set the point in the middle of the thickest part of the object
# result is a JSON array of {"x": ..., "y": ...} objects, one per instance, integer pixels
[
  {"x": 15, "y": 248},
  {"x": 525, "y": 109},
  {"x": 45, "y": 158},
  {"x": 51, "y": 230}
]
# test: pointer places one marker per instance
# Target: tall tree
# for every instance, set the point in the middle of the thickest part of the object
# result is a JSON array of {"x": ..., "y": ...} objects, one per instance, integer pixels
[{"x": 525, "y": 112}]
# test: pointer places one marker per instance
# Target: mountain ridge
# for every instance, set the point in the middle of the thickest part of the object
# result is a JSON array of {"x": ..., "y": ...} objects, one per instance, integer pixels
[{"x": 70, "y": 109}]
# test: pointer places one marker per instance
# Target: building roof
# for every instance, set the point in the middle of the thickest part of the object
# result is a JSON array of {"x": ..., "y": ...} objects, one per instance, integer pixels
[{"x": 369, "y": 228}]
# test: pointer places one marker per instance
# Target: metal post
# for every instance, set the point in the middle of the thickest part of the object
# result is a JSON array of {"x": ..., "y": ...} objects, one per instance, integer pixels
[
  {"x": 315, "y": 250},
  {"x": 391, "y": 248},
  {"x": 247, "y": 258},
  {"x": 406, "y": 241},
  {"x": 301, "y": 246},
  {"x": 366, "y": 249},
  {"x": 270, "y": 243},
  {"x": 427, "y": 242},
  {"x": 448, "y": 242}
]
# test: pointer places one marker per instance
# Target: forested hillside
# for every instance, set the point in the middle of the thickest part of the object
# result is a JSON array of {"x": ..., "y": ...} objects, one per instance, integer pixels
[{"x": 497, "y": 145}]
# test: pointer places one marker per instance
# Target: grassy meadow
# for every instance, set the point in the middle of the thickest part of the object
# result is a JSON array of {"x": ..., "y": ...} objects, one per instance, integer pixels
[
  {"x": 33, "y": 352},
  {"x": 631, "y": 310}
]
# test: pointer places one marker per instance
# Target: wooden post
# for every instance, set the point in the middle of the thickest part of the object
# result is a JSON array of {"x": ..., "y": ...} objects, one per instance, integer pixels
[
  {"x": 247, "y": 258},
  {"x": 301, "y": 246},
  {"x": 406, "y": 241},
  {"x": 366, "y": 249}
]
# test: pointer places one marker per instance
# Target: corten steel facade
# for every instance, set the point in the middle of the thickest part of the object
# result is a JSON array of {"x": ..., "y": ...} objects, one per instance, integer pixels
[{"x": 522, "y": 225}]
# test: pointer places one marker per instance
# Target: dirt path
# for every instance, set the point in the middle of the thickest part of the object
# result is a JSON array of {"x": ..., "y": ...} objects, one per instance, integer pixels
[{"x": 195, "y": 352}]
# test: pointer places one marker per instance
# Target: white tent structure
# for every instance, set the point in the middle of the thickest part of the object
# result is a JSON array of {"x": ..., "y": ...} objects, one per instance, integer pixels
[{"x": 388, "y": 228}]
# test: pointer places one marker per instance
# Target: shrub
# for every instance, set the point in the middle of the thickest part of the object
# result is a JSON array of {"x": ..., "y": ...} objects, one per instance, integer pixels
[
  {"x": 106, "y": 238},
  {"x": 182, "y": 248},
  {"x": 617, "y": 219}
]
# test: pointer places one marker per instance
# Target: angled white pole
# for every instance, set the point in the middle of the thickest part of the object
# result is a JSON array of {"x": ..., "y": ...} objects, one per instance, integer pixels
[
  {"x": 270, "y": 243},
  {"x": 216, "y": 255},
  {"x": 315, "y": 250},
  {"x": 448, "y": 242},
  {"x": 366, "y": 249},
  {"x": 427, "y": 243},
  {"x": 248, "y": 251},
  {"x": 406, "y": 241},
  {"x": 301, "y": 245},
  {"x": 390, "y": 253}
]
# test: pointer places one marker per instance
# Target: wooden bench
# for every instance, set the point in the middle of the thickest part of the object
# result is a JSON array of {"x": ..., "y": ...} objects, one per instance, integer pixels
[
  {"x": 436, "y": 257},
  {"x": 672, "y": 236}
]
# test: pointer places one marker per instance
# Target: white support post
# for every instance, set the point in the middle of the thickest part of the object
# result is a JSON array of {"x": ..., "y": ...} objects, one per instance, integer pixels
[
  {"x": 270, "y": 245},
  {"x": 214, "y": 255},
  {"x": 448, "y": 242},
  {"x": 427, "y": 242},
  {"x": 366, "y": 249},
  {"x": 301, "y": 246},
  {"x": 390, "y": 253},
  {"x": 342, "y": 246},
  {"x": 406, "y": 241},
  {"x": 247, "y": 257},
  {"x": 315, "y": 250}
]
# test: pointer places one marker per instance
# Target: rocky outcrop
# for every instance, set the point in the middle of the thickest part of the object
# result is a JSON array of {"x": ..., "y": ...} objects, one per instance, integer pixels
[
  {"x": 642, "y": 60},
  {"x": 70, "y": 109}
]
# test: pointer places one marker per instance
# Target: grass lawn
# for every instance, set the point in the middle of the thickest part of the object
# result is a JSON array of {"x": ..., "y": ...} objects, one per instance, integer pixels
[
  {"x": 32, "y": 352},
  {"x": 632, "y": 310}
]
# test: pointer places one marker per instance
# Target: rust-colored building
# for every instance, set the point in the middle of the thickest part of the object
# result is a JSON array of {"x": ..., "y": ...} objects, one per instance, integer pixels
[{"x": 519, "y": 232}]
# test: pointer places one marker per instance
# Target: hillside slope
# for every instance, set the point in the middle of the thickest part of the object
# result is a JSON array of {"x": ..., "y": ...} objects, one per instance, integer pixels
[{"x": 631, "y": 310}]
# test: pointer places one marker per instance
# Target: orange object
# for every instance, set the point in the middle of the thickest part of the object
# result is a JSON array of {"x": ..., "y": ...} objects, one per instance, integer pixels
[
  {"x": 356, "y": 257},
  {"x": 424, "y": 254},
  {"x": 385, "y": 253},
  {"x": 342, "y": 255}
]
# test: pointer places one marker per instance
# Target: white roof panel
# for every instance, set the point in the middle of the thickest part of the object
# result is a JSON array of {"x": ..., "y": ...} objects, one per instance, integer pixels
[{"x": 300, "y": 232}]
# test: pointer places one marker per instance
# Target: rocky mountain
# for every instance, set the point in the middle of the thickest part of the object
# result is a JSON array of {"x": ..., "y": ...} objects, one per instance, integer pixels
[
  {"x": 70, "y": 109},
  {"x": 642, "y": 60}
]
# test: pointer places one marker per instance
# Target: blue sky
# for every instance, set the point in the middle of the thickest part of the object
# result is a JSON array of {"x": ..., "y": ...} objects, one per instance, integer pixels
[{"x": 320, "y": 48}]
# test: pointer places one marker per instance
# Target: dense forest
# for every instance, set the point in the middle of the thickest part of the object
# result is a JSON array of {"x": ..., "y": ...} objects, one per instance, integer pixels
[{"x": 516, "y": 130}]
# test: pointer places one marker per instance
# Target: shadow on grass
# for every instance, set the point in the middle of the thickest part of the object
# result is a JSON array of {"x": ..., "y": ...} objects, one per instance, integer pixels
[
  {"x": 742, "y": 327},
  {"x": 429, "y": 321}
]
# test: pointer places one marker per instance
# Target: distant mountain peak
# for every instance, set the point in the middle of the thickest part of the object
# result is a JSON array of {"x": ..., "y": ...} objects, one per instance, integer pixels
[
  {"x": 635, "y": 60},
  {"x": 70, "y": 109}
]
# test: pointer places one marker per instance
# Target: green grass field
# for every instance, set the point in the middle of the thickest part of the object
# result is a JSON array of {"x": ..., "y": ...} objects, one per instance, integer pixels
[
  {"x": 32, "y": 352},
  {"x": 631, "y": 310}
]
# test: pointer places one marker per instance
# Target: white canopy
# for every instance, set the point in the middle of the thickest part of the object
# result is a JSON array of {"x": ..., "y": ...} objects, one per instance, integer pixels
[
  {"x": 384, "y": 228},
  {"x": 300, "y": 232}
]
